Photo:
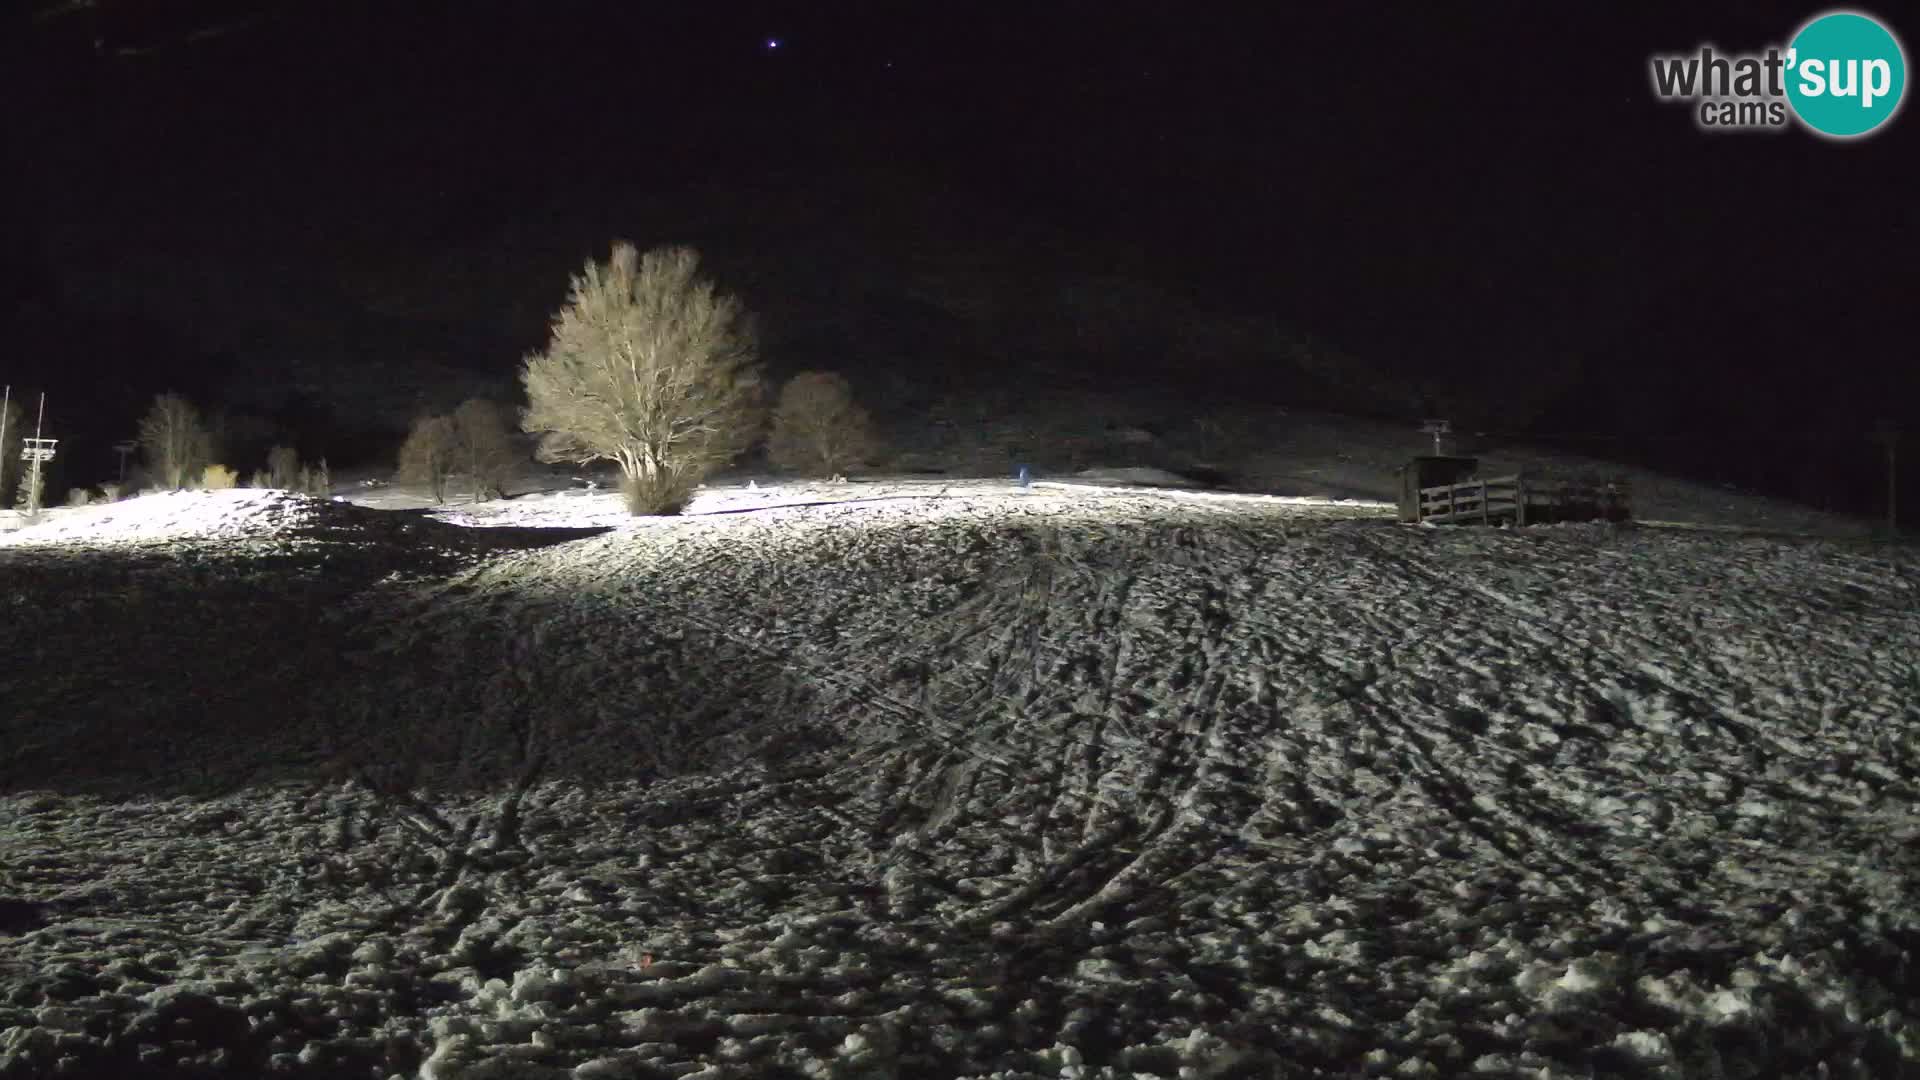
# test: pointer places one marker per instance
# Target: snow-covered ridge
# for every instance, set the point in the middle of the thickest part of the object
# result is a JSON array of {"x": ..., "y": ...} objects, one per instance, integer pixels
[{"x": 954, "y": 780}]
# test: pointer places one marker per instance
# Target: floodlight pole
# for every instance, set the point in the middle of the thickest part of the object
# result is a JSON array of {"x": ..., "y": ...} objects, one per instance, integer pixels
[{"x": 1437, "y": 428}]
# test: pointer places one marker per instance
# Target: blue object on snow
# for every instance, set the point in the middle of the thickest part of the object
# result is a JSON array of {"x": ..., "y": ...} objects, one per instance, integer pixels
[{"x": 1023, "y": 479}]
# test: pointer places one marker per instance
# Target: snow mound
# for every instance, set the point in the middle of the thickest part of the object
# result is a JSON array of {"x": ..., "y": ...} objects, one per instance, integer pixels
[{"x": 177, "y": 515}]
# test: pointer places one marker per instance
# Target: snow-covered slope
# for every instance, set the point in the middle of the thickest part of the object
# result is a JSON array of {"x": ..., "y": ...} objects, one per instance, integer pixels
[{"x": 951, "y": 780}]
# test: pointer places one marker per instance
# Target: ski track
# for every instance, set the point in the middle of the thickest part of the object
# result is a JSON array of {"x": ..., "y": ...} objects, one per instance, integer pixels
[{"x": 1089, "y": 784}]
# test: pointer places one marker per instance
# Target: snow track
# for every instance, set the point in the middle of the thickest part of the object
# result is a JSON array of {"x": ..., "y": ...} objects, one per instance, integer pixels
[{"x": 1093, "y": 783}]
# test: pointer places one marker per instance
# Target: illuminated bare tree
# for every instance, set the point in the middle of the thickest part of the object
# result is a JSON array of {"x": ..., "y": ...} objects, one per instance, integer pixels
[
  {"x": 817, "y": 425},
  {"x": 174, "y": 441},
  {"x": 648, "y": 367}
]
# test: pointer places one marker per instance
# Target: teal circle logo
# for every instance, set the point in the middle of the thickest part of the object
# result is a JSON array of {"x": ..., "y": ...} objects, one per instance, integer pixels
[{"x": 1845, "y": 74}]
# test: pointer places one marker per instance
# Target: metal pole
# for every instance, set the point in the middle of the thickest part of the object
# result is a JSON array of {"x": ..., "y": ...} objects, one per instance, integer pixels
[
  {"x": 1888, "y": 436},
  {"x": 6, "y": 403},
  {"x": 33, "y": 491},
  {"x": 1893, "y": 484}
]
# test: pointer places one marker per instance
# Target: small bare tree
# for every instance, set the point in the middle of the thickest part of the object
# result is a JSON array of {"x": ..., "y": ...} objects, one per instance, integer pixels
[
  {"x": 29, "y": 493},
  {"x": 485, "y": 447},
  {"x": 817, "y": 427},
  {"x": 174, "y": 441},
  {"x": 218, "y": 478},
  {"x": 651, "y": 368},
  {"x": 283, "y": 468},
  {"x": 429, "y": 455}
]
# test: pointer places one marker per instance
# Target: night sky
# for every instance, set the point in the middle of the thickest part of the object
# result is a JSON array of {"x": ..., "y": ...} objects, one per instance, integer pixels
[{"x": 1463, "y": 196}]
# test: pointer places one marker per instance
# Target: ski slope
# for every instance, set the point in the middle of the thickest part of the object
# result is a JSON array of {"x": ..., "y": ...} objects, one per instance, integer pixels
[{"x": 950, "y": 779}]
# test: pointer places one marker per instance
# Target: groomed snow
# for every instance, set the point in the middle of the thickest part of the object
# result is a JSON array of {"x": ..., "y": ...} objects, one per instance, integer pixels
[{"x": 929, "y": 779}]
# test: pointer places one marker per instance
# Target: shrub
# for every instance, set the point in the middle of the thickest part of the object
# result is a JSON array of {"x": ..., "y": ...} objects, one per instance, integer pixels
[
  {"x": 427, "y": 457},
  {"x": 650, "y": 368},
  {"x": 260, "y": 478},
  {"x": 642, "y": 498},
  {"x": 111, "y": 492},
  {"x": 218, "y": 478},
  {"x": 78, "y": 497},
  {"x": 314, "y": 480},
  {"x": 817, "y": 427},
  {"x": 484, "y": 445},
  {"x": 283, "y": 468},
  {"x": 174, "y": 441}
]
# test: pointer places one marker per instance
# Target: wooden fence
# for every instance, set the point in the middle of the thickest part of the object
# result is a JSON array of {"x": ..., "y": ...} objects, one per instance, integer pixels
[{"x": 1523, "y": 500}]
